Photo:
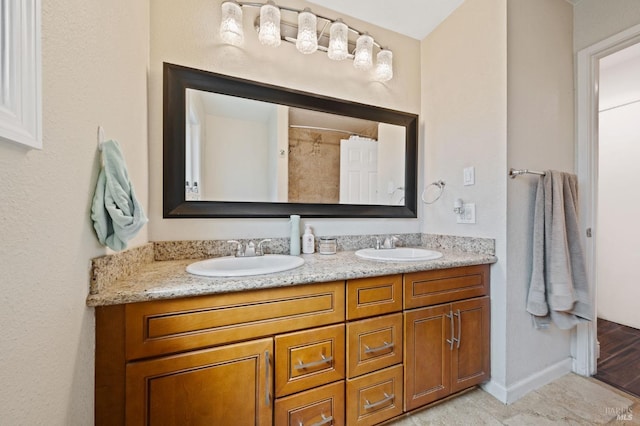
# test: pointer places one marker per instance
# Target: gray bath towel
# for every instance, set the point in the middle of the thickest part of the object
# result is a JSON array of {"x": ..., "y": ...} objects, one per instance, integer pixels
[{"x": 559, "y": 290}]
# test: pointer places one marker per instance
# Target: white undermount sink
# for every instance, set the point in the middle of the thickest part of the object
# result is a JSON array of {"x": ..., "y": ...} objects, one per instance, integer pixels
[
  {"x": 398, "y": 254},
  {"x": 230, "y": 266}
]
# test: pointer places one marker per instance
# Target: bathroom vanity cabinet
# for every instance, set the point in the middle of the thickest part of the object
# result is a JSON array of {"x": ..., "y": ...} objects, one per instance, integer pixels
[{"x": 354, "y": 352}]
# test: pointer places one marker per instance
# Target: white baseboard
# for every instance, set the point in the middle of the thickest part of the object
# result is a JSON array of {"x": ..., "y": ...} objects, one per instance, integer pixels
[{"x": 511, "y": 394}]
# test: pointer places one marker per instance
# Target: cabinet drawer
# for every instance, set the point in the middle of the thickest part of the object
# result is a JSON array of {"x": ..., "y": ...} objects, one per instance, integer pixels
[
  {"x": 375, "y": 397},
  {"x": 313, "y": 407},
  {"x": 445, "y": 285},
  {"x": 169, "y": 326},
  {"x": 367, "y": 297},
  {"x": 373, "y": 344},
  {"x": 309, "y": 358}
]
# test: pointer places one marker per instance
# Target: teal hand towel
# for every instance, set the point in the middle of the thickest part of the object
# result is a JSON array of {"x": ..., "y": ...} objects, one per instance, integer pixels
[{"x": 116, "y": 213}]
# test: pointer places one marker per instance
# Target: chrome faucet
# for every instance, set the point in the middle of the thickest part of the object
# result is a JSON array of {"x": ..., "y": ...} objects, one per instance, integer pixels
[
  {"x": 239, "y": 248},
  {"x": 388, "y": 243},
  {"x": 250, "y": 249}
]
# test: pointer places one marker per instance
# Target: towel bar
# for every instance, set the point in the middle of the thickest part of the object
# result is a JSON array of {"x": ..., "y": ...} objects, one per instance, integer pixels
[{"x": 513, "y": 173}]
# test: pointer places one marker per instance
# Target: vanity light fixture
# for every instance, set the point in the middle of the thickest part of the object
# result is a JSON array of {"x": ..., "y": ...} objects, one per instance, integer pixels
[
  {"x": 307, "y": 40},
  {"x": 231, "y": 30},
  {"x": 338, "y": 41},
  {"x": 384, "y": 65},
  {"x": 310, "y": 32},
  {"x": 269, "y": 31}
]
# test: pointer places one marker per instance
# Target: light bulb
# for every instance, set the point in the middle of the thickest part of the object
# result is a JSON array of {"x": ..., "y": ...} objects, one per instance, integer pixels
[
  {"x": 384, "y": 65},
  {"x": 269, "y": 33},
  {"x": 364, "y": 53},
  {"x": 231, "y": 23},
  {"x": 307, "y": 41},
  {"x": 338, "y": 41}
]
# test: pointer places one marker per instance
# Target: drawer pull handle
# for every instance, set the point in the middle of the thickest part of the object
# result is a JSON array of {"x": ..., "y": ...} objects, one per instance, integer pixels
[
  {"x": 267, "y": 363},
  {"x": 368, "y": 405},
  {"x": 324, "y": 360},
  {"x": 459, "y": 327},
  {"x": 368, "y": 350},
  {"x": 325, "y": 421},
  {"x": 453, "y": 338}
]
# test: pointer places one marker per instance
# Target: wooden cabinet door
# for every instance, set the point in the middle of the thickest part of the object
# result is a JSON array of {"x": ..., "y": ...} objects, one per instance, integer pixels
[
  {"x": 427, "y": 361},
  {"x": 470, "y": 364},
  {"x": 228, "y": 385}
]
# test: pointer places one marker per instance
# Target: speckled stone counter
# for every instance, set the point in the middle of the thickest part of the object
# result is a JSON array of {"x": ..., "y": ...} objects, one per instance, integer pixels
[{"x": 167, "y": 279}]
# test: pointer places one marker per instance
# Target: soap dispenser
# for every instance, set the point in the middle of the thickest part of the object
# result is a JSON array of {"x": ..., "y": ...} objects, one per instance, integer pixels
[{"x": 308, "y": 241}]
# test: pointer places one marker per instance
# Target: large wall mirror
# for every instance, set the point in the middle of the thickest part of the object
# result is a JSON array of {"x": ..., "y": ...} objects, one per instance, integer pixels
[{"x": 237, "y": 148}]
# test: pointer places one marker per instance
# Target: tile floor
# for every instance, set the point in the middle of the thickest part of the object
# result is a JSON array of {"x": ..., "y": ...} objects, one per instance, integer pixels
[{"x": 570, "y": 400}]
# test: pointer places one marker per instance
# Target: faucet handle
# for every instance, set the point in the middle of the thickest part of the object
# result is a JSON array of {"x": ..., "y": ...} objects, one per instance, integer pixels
[
  {"x": 260, "y": 250},
  {"x": 394, "y": 240},
  {"x": 239, "y": 250},
  {"x": 250, "y": 249}
]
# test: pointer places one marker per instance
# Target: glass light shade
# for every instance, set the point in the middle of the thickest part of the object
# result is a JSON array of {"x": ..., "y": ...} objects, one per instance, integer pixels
[
  {"x": 338, "y": 41},
  {"x": 384, "y": 65},
  {"x": 231, "y": 23},
  {"x": 307, "y": 41},
  {"x": 269, "y": 33},
  {"x": 364, "y": 53}
]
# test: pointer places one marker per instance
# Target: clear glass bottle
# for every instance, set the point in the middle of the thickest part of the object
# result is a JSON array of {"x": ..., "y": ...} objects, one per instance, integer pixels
[{"x": 328, "y": 245}]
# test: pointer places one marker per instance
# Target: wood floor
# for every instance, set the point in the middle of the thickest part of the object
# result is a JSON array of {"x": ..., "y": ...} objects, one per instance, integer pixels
[{"x": 619, "y": 362}]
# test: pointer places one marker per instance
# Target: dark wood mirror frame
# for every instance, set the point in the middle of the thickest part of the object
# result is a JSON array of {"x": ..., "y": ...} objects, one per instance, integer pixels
[{"x": 178, "y": 78}]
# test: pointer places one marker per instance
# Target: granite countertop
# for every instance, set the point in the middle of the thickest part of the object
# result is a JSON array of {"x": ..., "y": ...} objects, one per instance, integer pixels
[{"x": 168, "y": 279}]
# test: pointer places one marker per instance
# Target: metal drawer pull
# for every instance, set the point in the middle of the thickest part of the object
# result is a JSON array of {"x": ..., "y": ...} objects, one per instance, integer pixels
[
  {"x": 387, "y": 398},
  {"x": 453, "y": 339},
  {"x": 324, "y": 360},
  {"x": 368, "y": 350},
  {"x": 267, "y": 377},
  {"x": 459, "y": 327},
  {"x": 325, "y": 421}
]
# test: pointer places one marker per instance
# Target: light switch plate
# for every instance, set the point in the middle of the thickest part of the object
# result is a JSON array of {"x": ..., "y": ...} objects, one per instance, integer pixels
[
  {"x": 468, "y": 215},
  {"x": 469, "y": 176}
]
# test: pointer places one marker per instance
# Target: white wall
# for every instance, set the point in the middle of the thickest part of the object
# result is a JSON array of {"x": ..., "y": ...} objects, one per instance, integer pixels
[
  {"x": 540, "y": 137},
  {"x": 618, "y": 152},
  {"x": 497, "y": 93},
  {"x": 464, "y": 116},
  {"x": 595, "y": 20},
  {"x": 185, "y": 33},
  {"x": 94, "y": 73}
]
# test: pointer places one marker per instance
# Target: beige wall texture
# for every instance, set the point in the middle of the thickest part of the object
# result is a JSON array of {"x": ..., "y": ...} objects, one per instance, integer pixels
[
  {"x": 595, "y": 20},
  {"x": 540, "y": 137},
  {"x": 497, "y": 93},
  {"x": 464, "y": 115},
  {"x": 186, "y": 33},
  {"x": 94, "y": 60}
]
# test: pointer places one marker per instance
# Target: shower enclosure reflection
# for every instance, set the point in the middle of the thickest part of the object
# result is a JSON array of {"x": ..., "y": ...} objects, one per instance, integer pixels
[{"x": 244, "y": 150}]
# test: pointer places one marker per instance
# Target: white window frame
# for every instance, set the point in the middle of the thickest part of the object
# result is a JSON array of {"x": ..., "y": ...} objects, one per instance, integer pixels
[{"x": 20, "y": 73}]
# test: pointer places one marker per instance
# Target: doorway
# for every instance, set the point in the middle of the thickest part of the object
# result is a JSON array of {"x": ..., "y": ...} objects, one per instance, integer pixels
[{"x": 588, "y": 169}]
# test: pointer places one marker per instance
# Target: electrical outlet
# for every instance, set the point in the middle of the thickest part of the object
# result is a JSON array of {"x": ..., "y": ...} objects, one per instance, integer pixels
[{"x": 468, "y": 214}]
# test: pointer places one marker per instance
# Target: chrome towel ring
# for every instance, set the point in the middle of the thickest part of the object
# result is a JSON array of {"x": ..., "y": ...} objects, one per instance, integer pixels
[{"x": 438, "y": 184}]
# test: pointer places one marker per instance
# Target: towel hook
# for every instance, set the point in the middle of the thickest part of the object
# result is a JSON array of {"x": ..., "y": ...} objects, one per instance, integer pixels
[{"x": 100, "y": 137}]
